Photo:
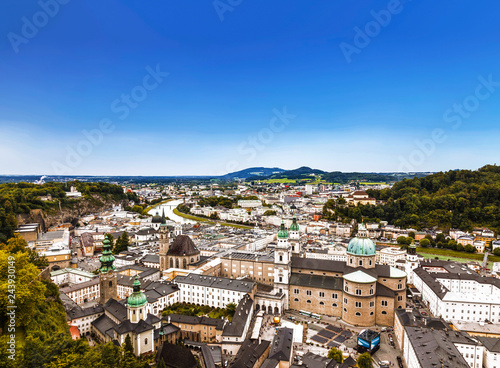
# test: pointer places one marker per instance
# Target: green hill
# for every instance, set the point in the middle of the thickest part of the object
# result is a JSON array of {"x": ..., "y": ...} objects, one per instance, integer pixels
[{"x": 455, "y": 199}]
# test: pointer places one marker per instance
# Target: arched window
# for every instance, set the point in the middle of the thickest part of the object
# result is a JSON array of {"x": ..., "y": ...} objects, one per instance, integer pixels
[
  {"x": 334, "y": 305},
  {"x": 110, "y": 283},
  {"x": 384, "y": 312},
  {"x": 177, "y": 263},
  {"x": 361, "y": 262},
  {"x": 400, "y": 286},
  {"x": 296, "y": 300},
  {"x": 309, "y": 302},
  {"x": 321, "y": 303},
  {"x": 184, "y": 263},
  {"x": 171, "y": 263},
  {"x": 146, "y": 341},
  {"x": 358, "y": 314},
  {"x": 371, "y": 313},
  {"x": 370, "y": 262},
  {"x": 371, "y": 291},
  {"x": 192, "y": 260}
]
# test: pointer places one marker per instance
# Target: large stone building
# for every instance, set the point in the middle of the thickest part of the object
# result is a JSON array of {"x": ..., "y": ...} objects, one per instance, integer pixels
[{"x": 358, "y": 290}]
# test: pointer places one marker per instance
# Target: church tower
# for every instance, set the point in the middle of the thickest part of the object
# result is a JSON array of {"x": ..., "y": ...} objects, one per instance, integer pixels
[
  {"x": 282, "y": 264},
  {"x": 136, "y": 303},
  {"x": 164, "y": 243},
  {"x": 107, "y": 275},
  {"x": 411, "y": 262},
  {"x": 294, "y": 236}
]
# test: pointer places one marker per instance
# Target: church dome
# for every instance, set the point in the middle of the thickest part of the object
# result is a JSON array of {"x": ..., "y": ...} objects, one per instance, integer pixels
[
  {"x": 294, "y": 226},
  {"x": 282, "y": 233},
  {"x": 361, "y": 245},
  {"x": 137, "y": 298}
]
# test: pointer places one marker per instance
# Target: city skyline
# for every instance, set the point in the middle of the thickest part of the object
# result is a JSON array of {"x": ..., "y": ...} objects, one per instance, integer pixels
[{"x": 124, "y": 88}]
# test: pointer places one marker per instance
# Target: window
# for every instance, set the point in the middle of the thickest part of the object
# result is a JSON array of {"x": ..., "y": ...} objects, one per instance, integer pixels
[
  {"x": 384, "y": 312},
  {"x": 110, "y": 283},
  {"x": 321, "y": 303},
  {"x": 400, "y": 298},
  {"x": 308, "y": 302},
  {"x": 146, "y": 341},
  {"x": 346, "y": 288},
  {"x": 295, "y": 291},
  {"x": 371, "y": 313},
  {"x": 357, "y": 304},
  {"x": 358, "y": 291},
  {"x": 400, "y": 286},
  {"x": 384, "y": 303},
  {"x": 308, "y": 292},
  {"x": 321, "y": 294},
  {"x": 361, "y": 262},
  {"x": 371, "y": 291},
  {"x": 345, "y": 301},
  {"x": 335, "y": 296},
  {"x": 372, "y": 304},
  {"x": 296, "y": 300},
  {"x": 358, "y": 314},
  {"x": 334, "y": 305}
]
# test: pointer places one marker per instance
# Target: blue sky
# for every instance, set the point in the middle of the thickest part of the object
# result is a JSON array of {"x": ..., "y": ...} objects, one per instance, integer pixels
[{"x": 335, "y": 85}]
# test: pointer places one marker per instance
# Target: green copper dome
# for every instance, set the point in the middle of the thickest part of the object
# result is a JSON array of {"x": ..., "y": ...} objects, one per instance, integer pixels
[
  {"x": 137, "y": 298},
  {"x": 294, "y": 226},
  {"x": 107, "y": 257},
  {"x": 282, "y": 233},
  {"x": 361, "y": 245}
]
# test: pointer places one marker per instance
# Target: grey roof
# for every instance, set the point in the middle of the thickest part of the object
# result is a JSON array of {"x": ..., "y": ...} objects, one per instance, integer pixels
[
  {"x": 207, "y": 357},
  {"x": 281, "y": 347},
  {"x": 182, "y": 246},
  {"x": 318, "y": 264},
  {"x": 383, "y": 290},
  {"x": 492, "y": 344},
  {"x": 434, "y": 349},
  {"x": 270, "y": 363},
  {"x": 249, "y": 352},
  {"x": 317, "y": 281},
  {"x": 216, "y": 282},
  {"x": 176, "y": 356},
  {"x": 243, "y": 312},
  {"x": 79, "y": 312},
  {"x": 104, "y": 324},
  {"x": 195, "y": 320},
  {"x": 116, "y": 309},
  {"x": 314, "y": 361},
  {"x": 151, "y": 258}
]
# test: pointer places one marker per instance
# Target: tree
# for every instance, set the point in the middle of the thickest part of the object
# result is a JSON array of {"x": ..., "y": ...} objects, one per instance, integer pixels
[
  {"x": 127, "y": 345},
  {"x": 470, "y": 249},
  {"x": 496, "y": 251},
  {"x": 440, "y": 237},
  {"x": 401, "y": 239},
  {"x": 411, "y": 234},
  {"x": 122, "y": 243},
  {"x": 365, "y": 361},
  {"x": 269, "y": 213},
  {"x": 460, "y": 247},
  {"x": 336, "y": 355},
  {"x": 425, "y": 243}
]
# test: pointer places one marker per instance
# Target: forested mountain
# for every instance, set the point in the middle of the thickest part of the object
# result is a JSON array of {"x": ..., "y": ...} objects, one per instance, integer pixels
[
  {"x": 455, "y": 199},
  {"x": 21, "y": 198}
]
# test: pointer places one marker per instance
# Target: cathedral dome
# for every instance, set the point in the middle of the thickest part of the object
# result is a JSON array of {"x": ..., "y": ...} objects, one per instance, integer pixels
[
  {"x": 137, "y": 298},
  {"x": 361, "y": 245},
  {"x": 282, "y": 233}
]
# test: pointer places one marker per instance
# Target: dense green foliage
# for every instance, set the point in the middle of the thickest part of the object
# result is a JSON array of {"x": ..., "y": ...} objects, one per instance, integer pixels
[
  {"x": 454, "y": 199},
  {"x": 200, "y": 310},
  {"x": 336, "y": 354},
  {"x": 42, "y": 337},
  {"x": 122, "y": 243},
  {"x": 21, "y": 198}
]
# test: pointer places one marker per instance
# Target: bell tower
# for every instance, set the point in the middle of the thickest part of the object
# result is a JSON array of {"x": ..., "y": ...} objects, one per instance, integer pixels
[
  {"x": 163, "y": 242},
  {"x": 294, "y": 236},
  {"x": 282, "y": 264},
  {"x": 107, "y": 275}
]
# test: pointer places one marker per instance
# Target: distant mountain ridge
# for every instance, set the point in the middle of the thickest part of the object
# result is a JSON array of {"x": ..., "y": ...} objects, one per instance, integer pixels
[{"x": 252, "y": 172}]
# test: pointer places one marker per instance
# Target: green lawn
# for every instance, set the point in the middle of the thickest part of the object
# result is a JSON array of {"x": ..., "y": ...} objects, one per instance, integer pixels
[
  {"x": 454, "y": 259},
  {"x": 453, "y": 253},
  {"x": 208, "y": 221}
]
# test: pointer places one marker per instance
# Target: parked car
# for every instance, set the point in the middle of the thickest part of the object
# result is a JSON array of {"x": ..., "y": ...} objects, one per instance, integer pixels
[
  {"x": 384, "y": 364},
  {"x": 400, "y": 362}
]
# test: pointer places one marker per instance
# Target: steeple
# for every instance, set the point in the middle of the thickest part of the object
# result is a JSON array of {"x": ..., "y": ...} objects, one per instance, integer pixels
[
  {"x": 107, "y": 257},
  {"x": 294, "y": 226},
  {"x": 136, "y": 301},
  {"x": 163, "y": 219}
]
